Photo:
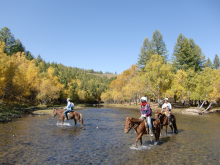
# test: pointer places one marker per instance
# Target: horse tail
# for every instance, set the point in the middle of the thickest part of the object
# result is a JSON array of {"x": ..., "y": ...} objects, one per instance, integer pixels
[
  {"x": 81, "y": 117},
  {"x": 174, "y": 125}
]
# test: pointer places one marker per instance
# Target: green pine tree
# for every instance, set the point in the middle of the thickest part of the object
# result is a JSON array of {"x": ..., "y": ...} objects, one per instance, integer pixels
[
  {"x": 216, "y": 62},
  {"x": 208, "y": 63},
  {"x": 187, "y": 55},
  {"x": 159, "y": 46},
  {"x": 145, "y": 54},
  {"x": 11, "y": 45}
]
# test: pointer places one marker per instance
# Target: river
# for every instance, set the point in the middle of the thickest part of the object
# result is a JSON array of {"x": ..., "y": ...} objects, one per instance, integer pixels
[{"x": 39, "y": 140}]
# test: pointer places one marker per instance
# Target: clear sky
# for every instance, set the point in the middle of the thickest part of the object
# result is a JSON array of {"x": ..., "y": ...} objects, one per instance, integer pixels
[{"x": 107, "y": 35}]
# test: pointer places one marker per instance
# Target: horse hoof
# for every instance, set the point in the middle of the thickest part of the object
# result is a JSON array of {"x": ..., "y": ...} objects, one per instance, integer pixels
[
  {"x": 83, "y": 128},
  {"x": 156, "y": 143}
]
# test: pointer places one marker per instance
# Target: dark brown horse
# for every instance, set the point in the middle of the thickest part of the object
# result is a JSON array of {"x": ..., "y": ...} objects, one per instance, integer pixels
[
  {"x": 164, "y": 122},
  {"x": 140, "y": 128},
  {"x": 72, "y": 115}
]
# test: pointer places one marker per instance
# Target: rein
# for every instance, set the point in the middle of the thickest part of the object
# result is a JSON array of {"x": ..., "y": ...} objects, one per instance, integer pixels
[{"x": 134, "y": 126}]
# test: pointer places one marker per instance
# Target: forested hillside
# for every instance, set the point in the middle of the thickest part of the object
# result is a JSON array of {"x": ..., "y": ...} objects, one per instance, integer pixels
[
  {"x": 187, "y": 77},
  {"x": 25, "y": 79}
]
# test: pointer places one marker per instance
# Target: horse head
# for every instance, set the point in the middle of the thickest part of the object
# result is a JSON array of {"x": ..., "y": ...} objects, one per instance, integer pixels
[
  {"x": 54, "y": 112},
  {"x": 128, "y": 124},
  {"x": 158, "y": 115}
]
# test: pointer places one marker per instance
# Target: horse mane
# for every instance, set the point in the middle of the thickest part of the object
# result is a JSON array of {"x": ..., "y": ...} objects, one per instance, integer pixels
[
  {"x": 135, "y": 120},
  {"x": 59, "y": 110}
]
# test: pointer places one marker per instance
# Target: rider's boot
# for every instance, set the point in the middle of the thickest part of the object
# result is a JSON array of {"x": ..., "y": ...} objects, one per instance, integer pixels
[
  {"x": 151, "y": 132},
  {"x": 66, "y": 117}
]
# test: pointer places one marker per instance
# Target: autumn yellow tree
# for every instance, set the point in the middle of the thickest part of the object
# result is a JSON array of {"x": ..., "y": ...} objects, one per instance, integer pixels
[
  {"x": 159, "y": 75},
  {"x": 122, "y": 80},
  {"x": 178, "y": 87},
  {"x": 50, "y": 87},
  {"x": 6, "y": 72}
]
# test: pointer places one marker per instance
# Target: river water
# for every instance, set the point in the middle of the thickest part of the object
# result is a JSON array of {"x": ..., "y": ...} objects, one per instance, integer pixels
[{"x": 39, "y": 140}]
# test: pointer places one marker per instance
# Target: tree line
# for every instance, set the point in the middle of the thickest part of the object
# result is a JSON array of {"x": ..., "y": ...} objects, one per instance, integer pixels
[
  {"x": 26, "y": 79},
  {"x": 186, "y": 77}
]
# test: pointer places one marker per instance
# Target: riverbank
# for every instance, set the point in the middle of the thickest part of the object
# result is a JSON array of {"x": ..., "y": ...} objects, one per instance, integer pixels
[
  {"x": 10, "y": 111},
  {"x": 50, "y": 111},
  {"x": 176, "y": 108},
  {"x": 154, "y": 107}
]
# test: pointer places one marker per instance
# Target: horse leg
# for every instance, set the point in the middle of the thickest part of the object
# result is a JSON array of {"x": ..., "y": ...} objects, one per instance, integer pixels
[
  {"x": 59, "y": 120},
  {"x": 171, "y": 128},
  {"x": 139, "y": 136},
  {"x": 141, "y": 140},
  {"x": 75, "y": 121},
  {"x": 157, "y": 132},
  {"x": 166, "y": 129},
  {"x": 62, "y": 121},
  {"x": 161, "y": 127}
]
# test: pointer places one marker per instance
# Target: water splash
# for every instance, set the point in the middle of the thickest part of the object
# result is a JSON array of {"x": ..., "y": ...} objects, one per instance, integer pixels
[
  {"x": 141, "y": 147},
  {"x": 64, "y": 124}
]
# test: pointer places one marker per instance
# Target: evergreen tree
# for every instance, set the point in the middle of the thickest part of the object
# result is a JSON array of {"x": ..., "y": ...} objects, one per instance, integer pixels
[
  {"x": 187, "y": 55},
  {"x": 197, "y": 56},
  {"x": 158, "y": 45},
  {"x": 39, "y": 59},
  {"x": 12, "y": 46},
  {"x": 145, "y": 54},
  {"x": 208, "y": 63},
  {"x": 29, "y": 56},
  {"x": 216, "y": 62}
]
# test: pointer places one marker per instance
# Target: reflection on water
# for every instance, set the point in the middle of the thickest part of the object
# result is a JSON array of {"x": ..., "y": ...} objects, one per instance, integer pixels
[{"x": 40, "y": 140}]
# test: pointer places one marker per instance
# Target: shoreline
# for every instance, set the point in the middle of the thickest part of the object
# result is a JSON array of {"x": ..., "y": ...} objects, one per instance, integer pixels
[{"x": 18, "y": 112}]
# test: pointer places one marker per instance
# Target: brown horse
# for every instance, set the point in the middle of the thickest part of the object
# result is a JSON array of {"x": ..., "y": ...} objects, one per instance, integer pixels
[
  {"x": 72, "y": 115},
  {"x": 164, "y": 122},
  {"x": 140, "y": 128}
]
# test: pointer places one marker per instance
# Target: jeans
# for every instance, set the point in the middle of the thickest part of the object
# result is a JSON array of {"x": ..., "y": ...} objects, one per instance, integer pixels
[
  {"x": 65, "y": 112},
  {"x": 148, "y": 120}
]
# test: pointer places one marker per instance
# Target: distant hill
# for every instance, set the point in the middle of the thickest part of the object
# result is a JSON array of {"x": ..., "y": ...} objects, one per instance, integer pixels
[{"x": 103, "y": 75}]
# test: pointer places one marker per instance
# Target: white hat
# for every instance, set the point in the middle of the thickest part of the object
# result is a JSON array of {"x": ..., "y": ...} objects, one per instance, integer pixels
[
  {"x": 144, "y": 98},
  {"x": 68, "y": 99},
  {"x": 166, "y": 99}
]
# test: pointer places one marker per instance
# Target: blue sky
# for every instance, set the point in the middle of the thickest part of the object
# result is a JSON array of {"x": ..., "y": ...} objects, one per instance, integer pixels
[{"x": 107, "y": 35}]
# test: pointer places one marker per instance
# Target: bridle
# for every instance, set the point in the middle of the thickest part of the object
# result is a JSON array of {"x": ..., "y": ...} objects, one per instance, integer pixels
[
  {"x": 54, "y": 114},
  {"x": 130, "y": 126}
]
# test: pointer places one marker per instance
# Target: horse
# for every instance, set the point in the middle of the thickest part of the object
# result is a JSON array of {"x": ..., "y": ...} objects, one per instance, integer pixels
[
  {"x": 164, "y": 122},
  {"x": 71, "y": 115},
  {"x": 140, "y": 128}
]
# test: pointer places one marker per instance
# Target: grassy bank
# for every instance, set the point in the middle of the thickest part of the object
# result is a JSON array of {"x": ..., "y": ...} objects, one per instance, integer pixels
[
  {"x": 12, "y": 110},
  {"x": 50, "y": 111},
  {"x": 154, "y": 106}
]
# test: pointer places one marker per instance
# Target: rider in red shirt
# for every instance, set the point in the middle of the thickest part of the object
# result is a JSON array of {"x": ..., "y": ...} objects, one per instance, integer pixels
[{"x": 146, "y": 113}]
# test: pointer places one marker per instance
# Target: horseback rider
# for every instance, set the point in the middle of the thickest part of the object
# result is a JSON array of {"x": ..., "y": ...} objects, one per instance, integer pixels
[
  {"x": 166, "y": 108},
  {"x": 68, "y": 108},
  {"x": 146, "y": 114}
]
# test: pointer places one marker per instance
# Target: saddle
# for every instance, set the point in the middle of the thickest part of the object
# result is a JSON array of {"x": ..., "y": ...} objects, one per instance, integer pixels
[{"x": 68, "y": 114}]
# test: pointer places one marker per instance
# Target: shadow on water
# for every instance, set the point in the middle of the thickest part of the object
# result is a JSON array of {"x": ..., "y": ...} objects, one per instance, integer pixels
[{"x": 39, "y": 140}]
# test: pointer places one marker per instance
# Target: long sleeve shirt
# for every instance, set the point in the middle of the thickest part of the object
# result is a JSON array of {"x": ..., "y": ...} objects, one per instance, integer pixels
[
  {"x": 68, "y": 107},
  {"x": 167, "y": 105}
]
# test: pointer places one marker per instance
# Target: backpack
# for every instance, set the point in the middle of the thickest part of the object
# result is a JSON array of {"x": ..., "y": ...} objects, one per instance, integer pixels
[{"x": 72, "y": 106}]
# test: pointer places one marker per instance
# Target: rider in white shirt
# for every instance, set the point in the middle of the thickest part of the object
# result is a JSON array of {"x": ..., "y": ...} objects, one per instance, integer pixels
[
  {"x": 166, "y": 104},
  {"x": 167, "y": 113}
]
